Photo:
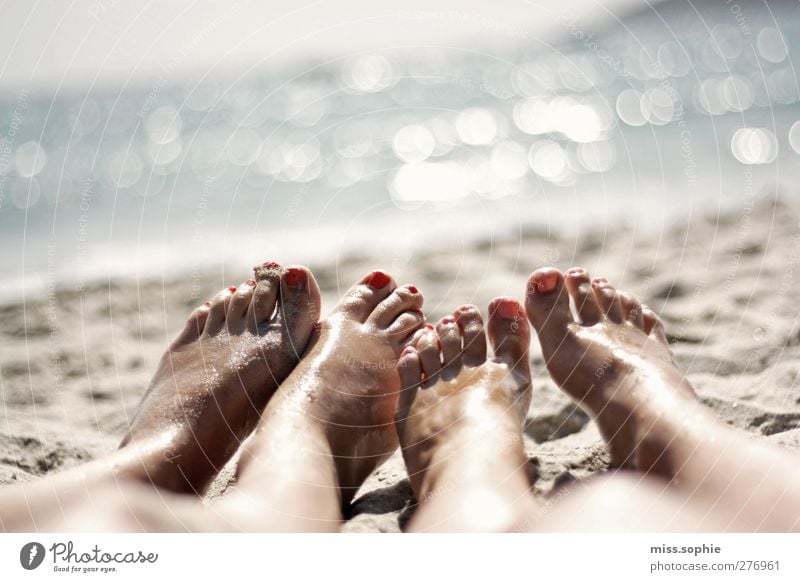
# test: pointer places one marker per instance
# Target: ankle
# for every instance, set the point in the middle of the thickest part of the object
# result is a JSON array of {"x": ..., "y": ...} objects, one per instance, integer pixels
[
  {"x": 644, "y": 434},
  {"x": 496, "y": 462},
  {"x": 287, "y": 436},
  {"x": 453, "y": 504}
]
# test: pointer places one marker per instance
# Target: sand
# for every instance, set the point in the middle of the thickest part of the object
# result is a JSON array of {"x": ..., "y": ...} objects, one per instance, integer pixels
[{"x": 74, "y": 364}]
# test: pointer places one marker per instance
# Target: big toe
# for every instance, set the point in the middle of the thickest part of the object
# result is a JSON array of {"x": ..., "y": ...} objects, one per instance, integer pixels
[
  {"x": 509, "y": 333},
  {"x": 362, "y": 299},
  {"x": 298, "y": 307},
  {"x": 547, "y": 304}
]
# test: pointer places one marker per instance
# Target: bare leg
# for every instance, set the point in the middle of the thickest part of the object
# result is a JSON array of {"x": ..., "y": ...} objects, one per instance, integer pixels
[
  {"x": 622, "y": 502},
  {"x": 332, "y": 422},
  {"x": 460, "y": 421},
  {"x": 614, "y": 359},
  {"x": 205, "y": 398},
  {"x": 217, "y": 376}
]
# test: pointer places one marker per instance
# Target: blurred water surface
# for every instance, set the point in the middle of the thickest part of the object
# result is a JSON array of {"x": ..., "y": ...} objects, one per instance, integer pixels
[{"x": 669, "y": 110}]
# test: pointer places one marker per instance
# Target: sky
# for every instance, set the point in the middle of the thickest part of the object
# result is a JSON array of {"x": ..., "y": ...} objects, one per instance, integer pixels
[{"x": 60, "y": 44}]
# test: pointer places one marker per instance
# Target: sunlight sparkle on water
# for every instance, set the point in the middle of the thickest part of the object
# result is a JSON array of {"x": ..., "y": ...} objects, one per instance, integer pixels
[
  {"x": 629, "y": 107},
  {"x": 476, "y": 126},
  {"x": 429, "y": 181},
  {"x": 754, "y": 145},
  {"x": 548, "y": 159},
  {"x": 413, "y": 143},
  {"x": 368, "y": 74},
  {"x": 794, "y": 137},
  {"x": 29, "y": 159},
  {"x": 164, "y": 124},
  {"x": 771, "y": 45}
]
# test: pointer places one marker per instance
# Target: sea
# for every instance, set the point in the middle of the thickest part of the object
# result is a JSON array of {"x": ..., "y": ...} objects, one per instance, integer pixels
[{"x": 677, "y": 109}]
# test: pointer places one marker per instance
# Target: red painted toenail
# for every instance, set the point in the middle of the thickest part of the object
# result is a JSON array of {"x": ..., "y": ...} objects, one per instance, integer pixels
[
  {"x": 207, "y": 304},
  {"x": 408, "y": 350},
  {"x": 232, "y": 289},
  {"x": 448, "y": 321},
  {"x": 271, "y": 265},
  {"x": 576, "y": 271},
  {"x": 428, "y": 326},
  {"x": 378, "y": 280},
  {"x": 295, "y": 277},
  {"x": 508, "y": 309},
  {"x": 465, "y": 308},
  {"x": 412, "y": 289},
  {"x": 250, "y": 283},
  {"x": 599, "y": 280}
]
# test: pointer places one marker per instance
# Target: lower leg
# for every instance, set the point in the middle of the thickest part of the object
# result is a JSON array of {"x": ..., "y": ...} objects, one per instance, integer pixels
[
  {"x": 204, "y": 398},
  {"x": 460, "y": 421},
  {"x": 27, "y": 506},
  {"x": 331, "y": 423},
  {"x": 480, "y": 485},
  {"x": 287, "y": 475},
  {"x": 622, "y": 503},
  {"x": 614, "y": 359}
]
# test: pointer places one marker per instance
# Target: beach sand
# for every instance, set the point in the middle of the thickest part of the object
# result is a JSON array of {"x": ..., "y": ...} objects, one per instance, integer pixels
[{"x": 74, "y": 364}]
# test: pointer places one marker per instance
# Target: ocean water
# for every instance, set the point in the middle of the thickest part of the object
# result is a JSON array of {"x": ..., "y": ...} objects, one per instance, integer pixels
[{"x": 665, "y": 113}]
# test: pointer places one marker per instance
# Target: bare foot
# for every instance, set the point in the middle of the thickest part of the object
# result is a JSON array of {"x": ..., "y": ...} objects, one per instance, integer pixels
[
  {"x": 346, "y": 388},
  {"x": 217, "y": 376},
  {"x": 460, "y": 420},
  {"x": 613, "y": 357}
]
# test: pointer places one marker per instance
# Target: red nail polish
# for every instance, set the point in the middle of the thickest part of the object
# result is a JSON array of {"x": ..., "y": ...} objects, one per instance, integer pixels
[
  {"x": 576, "y": 271},
  {"x": 599, "y": 280},
  {"x": 448, "y": 320},
  {"x": 429, "y": 326},
  {"x": 378, "y": 280},
  {"x": 508, "y": 309},
  {"x": 408, "y": 350},
  {"x": 271, "y": 265},
  {"x": 412, "y": 289},
  {"x": 465, "y": 308},
  {"x": 232, "y": 289},
  {"x": 207, "y": 304},
  {"x": 250, "y": 283},
  {"x": 295, "y": 277}
]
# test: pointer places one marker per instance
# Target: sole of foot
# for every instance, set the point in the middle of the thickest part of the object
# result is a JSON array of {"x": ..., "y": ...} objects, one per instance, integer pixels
[
  {"x": 460, "y": 419},
  {"x": 609, "y": 352},
  {"x": 218, "y": 375},
  {"x": 346, "y": 387}
]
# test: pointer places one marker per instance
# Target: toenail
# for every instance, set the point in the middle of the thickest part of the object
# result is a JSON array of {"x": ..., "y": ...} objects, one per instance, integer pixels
[
  {"x": 207, "y": 304},
  {"x": 295, "y": 277},
  {"x": 576, "y": 271},
  {"x": 412, "y": 289},
  {"x": 508, "y": 309},
  {"x": 448, "y": 321},
  {"x": 271, "y": 265},
  {"x": 408, "y": 350},
  {"x": 232, "y": 289},
  {"x": 599, "y": 280},
  {"x": 250, "y": 283},
  {"x": 544, "y": 282},
  {"x": 465, "y": 308},
  {"x": 429, "y": 326},
  {"x": 378, "y": 280}
]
